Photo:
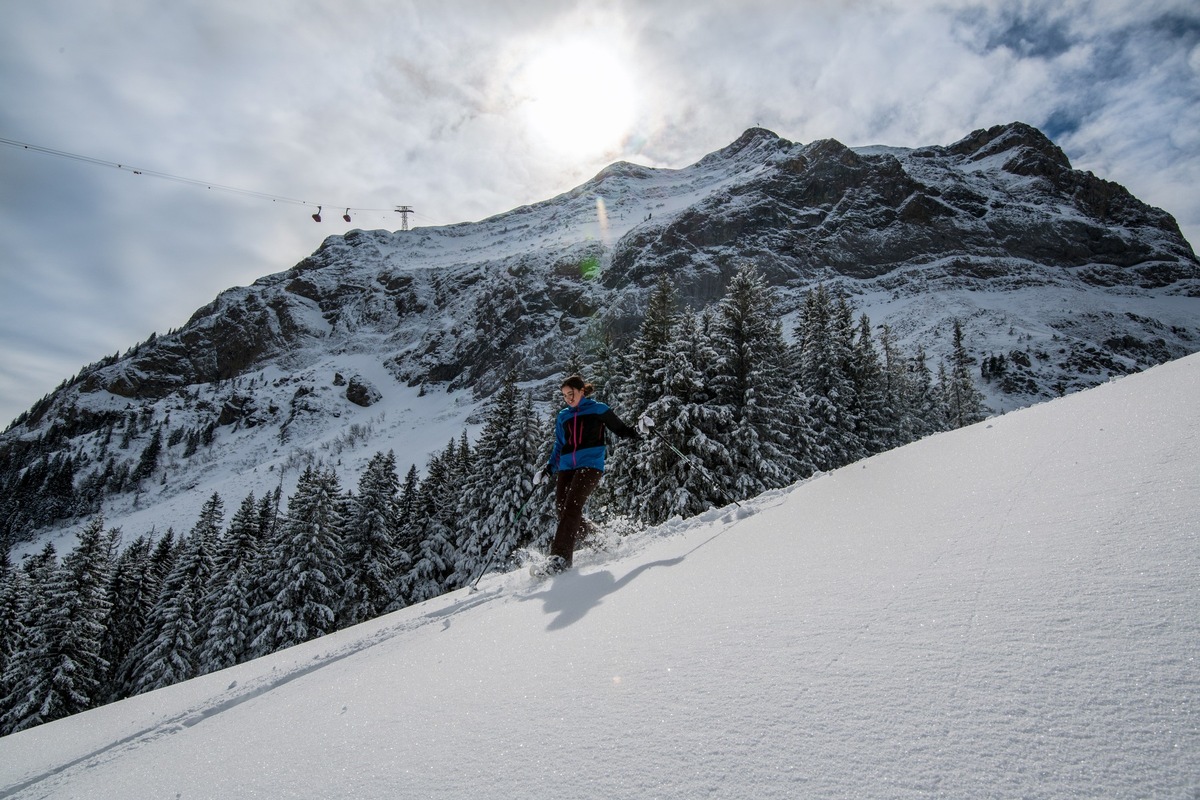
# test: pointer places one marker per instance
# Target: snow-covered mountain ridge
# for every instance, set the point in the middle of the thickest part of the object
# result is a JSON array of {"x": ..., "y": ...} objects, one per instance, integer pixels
[
  {"x": 1007, "y": 610},
  {"x": 1062, "y": 278}
]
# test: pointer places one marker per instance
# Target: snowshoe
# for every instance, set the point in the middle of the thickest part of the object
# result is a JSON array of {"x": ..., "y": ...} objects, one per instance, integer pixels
[{"x": 551, "y": 566}]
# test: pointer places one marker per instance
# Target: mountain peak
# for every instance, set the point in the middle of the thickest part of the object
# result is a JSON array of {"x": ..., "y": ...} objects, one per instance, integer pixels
[
  {"x": 620, "y": 169},
  {"x": 752, "y": 142},
  {"x": 1033, "y": 152}
]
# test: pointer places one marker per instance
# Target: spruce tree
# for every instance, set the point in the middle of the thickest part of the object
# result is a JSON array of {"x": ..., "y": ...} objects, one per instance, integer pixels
[
  {"x": 650, "y": 351},
  {"x": 148, "y": 461},
  {"x": 928, "y": 410},
  {"x": 31, "y": 586},
  {"x": 58, "y": 495},
  {"x": 10, "y": 592},
  {"x": 62, "y": 669},
  {"x": 373, "y": 559},
  {"x": 210, "y": 521},
  {"x": 898, "y": 393},
  {"x": 644, "y": 391},
  {"x": 687, "y": 420},
  {"x": 228, "y": 604},
  {"x": 944, "y": 394},
  {"x": 433, "y": 555},
  {"x": 132, "y": 590},
  {"x": 268, "y": 514},
  {"x": 766, "y": 438},
  {"x": 964, "y": 401},
  {"x": 609, "y": 369},
  {"x": 822, "y": 353},
  {"x": 493, "y": 503},
  {"x": 873, "y": 427},
  {"x": 164, "y": 555},
  {"x": 305, "y": 590},
  {"x": 848, "y": 402},
  {"x": 409, "y": 523},
  {"x": 167, "y": 651},
  {"x": 408, "y": 506}
]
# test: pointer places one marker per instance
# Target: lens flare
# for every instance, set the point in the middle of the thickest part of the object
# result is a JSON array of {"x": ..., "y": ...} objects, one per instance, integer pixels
[{"x": 602, "y": 220}]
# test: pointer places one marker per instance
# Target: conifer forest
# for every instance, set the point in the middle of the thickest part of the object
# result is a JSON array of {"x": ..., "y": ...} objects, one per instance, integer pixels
[{"x": 740, "y": 406}]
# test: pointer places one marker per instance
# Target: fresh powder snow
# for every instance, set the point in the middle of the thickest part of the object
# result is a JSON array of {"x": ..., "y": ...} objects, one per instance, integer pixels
[{"x": 1008, "y": 610}]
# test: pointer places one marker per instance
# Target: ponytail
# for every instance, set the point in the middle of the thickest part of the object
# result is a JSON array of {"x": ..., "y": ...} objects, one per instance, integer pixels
[{"x": 577, "y": 383}]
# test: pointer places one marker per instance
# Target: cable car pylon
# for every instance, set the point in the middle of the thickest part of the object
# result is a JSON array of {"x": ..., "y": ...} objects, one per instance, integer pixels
[{"x": 404, "y": 211}]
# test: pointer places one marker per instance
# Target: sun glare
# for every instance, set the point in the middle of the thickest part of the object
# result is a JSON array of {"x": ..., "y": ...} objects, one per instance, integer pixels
[{"x": 578, "y": 97}]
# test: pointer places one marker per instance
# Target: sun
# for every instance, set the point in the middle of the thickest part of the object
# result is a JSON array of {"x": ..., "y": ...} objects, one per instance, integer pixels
[{"x": 577, "y": 97}]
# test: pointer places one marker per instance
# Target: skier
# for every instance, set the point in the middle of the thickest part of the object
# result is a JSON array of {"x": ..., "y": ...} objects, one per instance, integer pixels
[{"x": 577, "y": 461}]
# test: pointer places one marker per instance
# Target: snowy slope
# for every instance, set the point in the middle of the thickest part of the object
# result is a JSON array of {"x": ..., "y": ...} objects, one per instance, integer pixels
[{"x": 1009, "y": 610}]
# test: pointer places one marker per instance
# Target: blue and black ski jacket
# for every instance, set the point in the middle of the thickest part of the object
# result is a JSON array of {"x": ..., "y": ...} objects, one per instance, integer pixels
[{"x": 579, "y": 435}]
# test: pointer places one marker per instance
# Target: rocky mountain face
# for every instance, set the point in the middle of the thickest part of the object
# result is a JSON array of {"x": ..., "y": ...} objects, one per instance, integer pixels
[{"x": 1061, "y": 280}]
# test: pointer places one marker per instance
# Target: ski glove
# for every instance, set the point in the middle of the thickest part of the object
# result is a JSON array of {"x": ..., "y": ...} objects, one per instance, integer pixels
[
  {"x": 539, "y": 477},
  {"x": 645, "y": 425}
]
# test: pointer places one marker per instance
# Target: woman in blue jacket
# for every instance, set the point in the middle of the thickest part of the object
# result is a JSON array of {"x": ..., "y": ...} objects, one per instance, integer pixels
[{"x": 577, "y": 461}]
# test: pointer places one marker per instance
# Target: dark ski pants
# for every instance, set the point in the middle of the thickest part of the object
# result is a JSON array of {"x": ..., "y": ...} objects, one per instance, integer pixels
[{"x": 572, "y": 491}]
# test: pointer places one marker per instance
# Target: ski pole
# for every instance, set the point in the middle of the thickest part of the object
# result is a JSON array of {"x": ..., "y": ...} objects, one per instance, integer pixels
[
  {"x": 492, "y": 556},
  {"x": 694, "y": 462}
]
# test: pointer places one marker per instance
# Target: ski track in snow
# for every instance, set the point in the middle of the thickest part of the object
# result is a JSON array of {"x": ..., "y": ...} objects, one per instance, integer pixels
[
  {"x": 513, "y": 586},
  {"x": 237, "y": 693},
  {"x": 1004, "y": 611}
]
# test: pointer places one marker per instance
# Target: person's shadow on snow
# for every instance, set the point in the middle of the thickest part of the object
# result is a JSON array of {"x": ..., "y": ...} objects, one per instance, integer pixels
[{"x": 572, "y": 595}]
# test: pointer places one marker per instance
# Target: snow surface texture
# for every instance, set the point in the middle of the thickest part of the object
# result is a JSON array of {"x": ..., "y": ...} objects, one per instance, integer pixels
[{"x": 1009, "y": 610}]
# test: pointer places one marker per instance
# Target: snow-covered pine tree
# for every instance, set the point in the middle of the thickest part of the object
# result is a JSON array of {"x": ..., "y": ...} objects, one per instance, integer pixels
[
  {"x": 766, "y": 440},
  {"x": 408, "y": 505},
  {"x": 132, "y": 590},
  {"x": 928, "y": 408},
  {"x": 61, "y": 673},
  {"x": 538, "y": 523},
  {"x": 58, "y": 497},
  {"x": 229, "y": 603},
  {"x": 307, "y": 575},
  {"x": 433, "y": 554},
  {"x": 167, "y": 651},
  {"x": 211, "y": 520},
  {"x": 844, "y": 329},
  {"x": 495, "y": 501},
  {"x": 268, "y": 514},
  {"x": 645, "y": 391},
  {"x": 408, "y": 529},
  {"x": 30, "y": 584},
  {"x": 649, "y": 353},
  {"x": 964, "y": 401},
  {"x": 609, "y": 368},
  {"x": 873, "y": 426},
  {"x": 686, "y": 419},
  {"x": 822, "y": 354},
  {"x": 576, "y": 365},
  {"x": 10, "y": 593},
  {"x": 260, "y": 570},
  {"x": 148, "y": 461},
  {"x": 898, "y": 392},
  {"x": 475, "y": 536},
  {"x": 373, "y": 559}
]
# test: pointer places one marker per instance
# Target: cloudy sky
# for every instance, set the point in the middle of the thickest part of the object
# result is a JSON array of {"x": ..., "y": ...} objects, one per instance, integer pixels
[{"x": 463, "y": 109}]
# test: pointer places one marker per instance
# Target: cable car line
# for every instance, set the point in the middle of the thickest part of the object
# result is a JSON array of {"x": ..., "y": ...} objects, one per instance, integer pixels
[{"x": 194, "y": 181}]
